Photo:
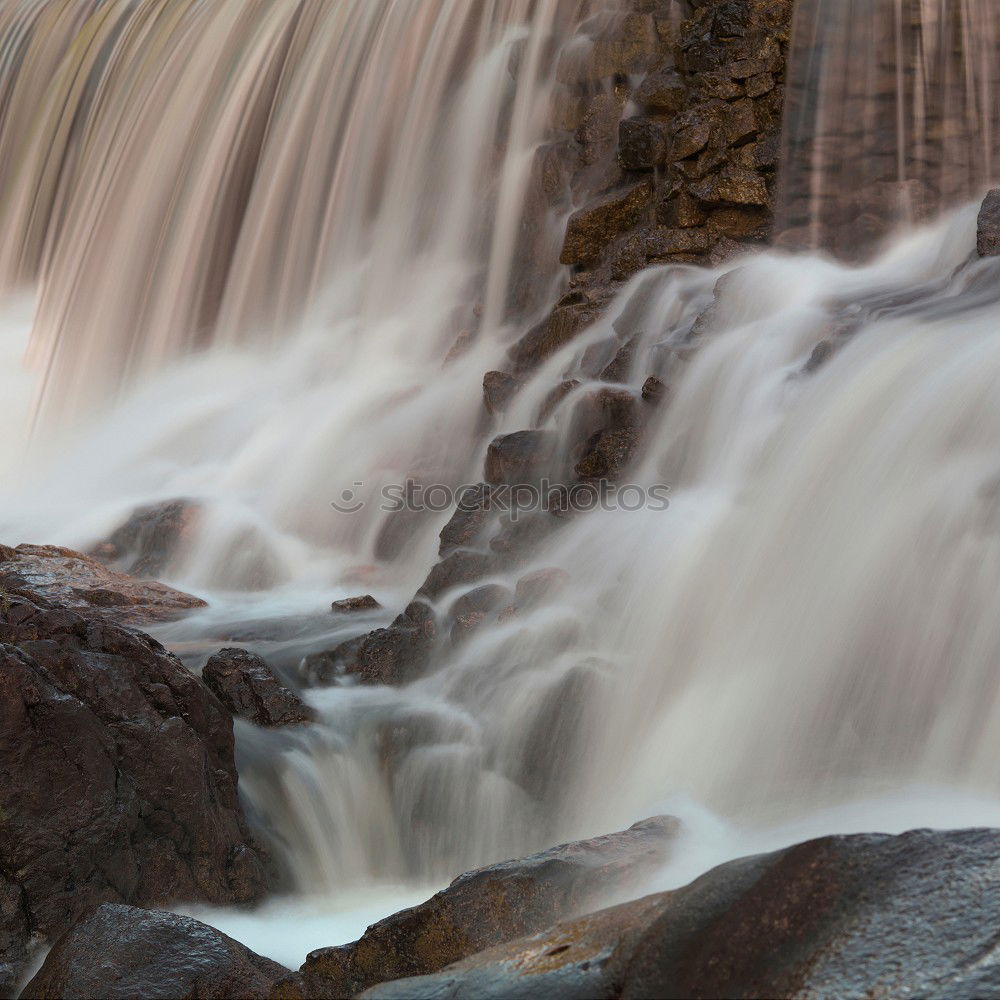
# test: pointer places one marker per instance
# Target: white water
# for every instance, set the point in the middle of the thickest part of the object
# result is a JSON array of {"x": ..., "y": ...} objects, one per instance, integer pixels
[{"x": 804, "y": 641}]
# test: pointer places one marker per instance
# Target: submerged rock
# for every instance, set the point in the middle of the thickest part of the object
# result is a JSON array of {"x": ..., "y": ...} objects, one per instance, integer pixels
[
  {"x": 486, "y": 907},
  {"x": 247, "y": 686},
  {"x": 117, "y": 778},
  {"x": 121, "y": 952},
  {"x": 67, "y": 579}
]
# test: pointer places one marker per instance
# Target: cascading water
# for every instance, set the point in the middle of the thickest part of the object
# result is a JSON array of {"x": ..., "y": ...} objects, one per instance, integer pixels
[{"x": 267, "y": 272}]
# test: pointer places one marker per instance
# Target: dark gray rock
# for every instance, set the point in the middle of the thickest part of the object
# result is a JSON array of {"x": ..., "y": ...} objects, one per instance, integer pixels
[
  {"x": 988, "y": 230},
  {"x": 247, "y": 686},
  {"x": 122, "y": 952}
]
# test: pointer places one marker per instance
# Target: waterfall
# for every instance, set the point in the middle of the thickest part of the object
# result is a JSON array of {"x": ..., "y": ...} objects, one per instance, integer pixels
[
  {"x": 274, "y": 248},
  {"x": 899, "y": 96}
]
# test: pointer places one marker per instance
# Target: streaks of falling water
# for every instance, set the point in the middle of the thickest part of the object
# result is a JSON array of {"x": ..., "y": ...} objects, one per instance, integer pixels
[
  {"x": 901, "y": 97},
  {"x": 195, "y": 173}
]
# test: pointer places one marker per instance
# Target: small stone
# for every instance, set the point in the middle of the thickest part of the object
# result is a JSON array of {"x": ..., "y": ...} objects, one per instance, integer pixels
[
  {"x": 653, "y": 390},
  {"x": 247, "y": 686},
  {"x": 352, "y": 605}
]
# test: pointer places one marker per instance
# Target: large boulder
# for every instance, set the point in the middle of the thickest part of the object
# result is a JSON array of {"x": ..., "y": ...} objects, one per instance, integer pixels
[
  {"x": 248, "y": 687},
  {"x": 117, "y": 779},
  {"x": 870, "y": 916},
  {"x": 68, "y": 579},
  {"x": 486, "y": 907},
  {"x": 121, "y": 952}
]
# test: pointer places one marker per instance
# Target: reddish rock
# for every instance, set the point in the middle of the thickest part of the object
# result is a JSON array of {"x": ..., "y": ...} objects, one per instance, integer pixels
[
  {"x": 67, "y": 579},
  {"x": 488, "y": 906},
  {"x": 247, "y": 686}
]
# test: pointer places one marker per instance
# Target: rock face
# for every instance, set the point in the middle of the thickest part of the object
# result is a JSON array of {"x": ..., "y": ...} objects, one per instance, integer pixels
[
  {"x": 988, "y": 234},
  {"x": 117, "y": 779},
  {"x": 68, "y": 579},
  {"x": 148, "y": 541},
  {"x": 870, "y": 916},
  {"x": 247, "y": 686},
  {"x": 120, "y": 952},
  {"x": 486, "y": 907}
]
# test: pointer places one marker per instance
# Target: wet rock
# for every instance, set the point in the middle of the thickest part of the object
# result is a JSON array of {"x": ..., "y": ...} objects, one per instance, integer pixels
[
  {"x": 739, "y": 123},
  {"x": 607, "y": 454},
  {"x": 567, "y": 320},
  {"x": 498, "y": 390},
  {"x": 680, "y": 211},
  {"x": 988, "y": 233},
  {"x": 520, "y": 458},
  {"x": 488, "y": 906},
  {"x": 66, "y": 579},
  {"x": 247, "y": 686},
  {"x": 147, "y": 542},
  {"x": 394, "y": 655},
  {"x": 520, "y": 537},
  {"x": 117, "y": 778},
  {"x": 642, "y": 143},
  {"x": 592, "y": 228},
  {"x": 325, "y": 667},
  {"x": 490, "y": 597},
  {"x": 732, "y": 185},
  {"x": 859, "y": 916},
  {"x": 692, "y": 131},
  {"x": 535, "y": 587},
  {"x": 551, "y": 402},
  {"x": 472, "y": 513},
  {"x": 619, "y": 367},
  {"x": 121, "y": 952},
  {"x": 575, "y": 960},
  {"x": 597, "y": 132},
  {"x": 459, "y": 568},
  {"x": 653, "y": 390},
  {"x": 664, "y": 92},
  {"x": 664, "y": 243},
  {"x": 821, "y": 353},
  {"x": 353, "y": 605}
]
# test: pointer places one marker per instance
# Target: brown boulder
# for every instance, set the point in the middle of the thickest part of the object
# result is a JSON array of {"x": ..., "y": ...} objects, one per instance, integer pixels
[
  {"x": 520, "y": 458},
  {"x": 117, "y": 778},
  {"x": 121, "y": 952},
  {"x": 67, "y": 579},
  {"x": 472, "y": 513},
  {"x": 247, "y": 686},
  {"x": 663, "y": 91},
  {"x": 593, "y": 228},
  {"x": 642, "y": 143},
  {"x": 488, "y": 906},
  {"x": 498, "y": 390}
]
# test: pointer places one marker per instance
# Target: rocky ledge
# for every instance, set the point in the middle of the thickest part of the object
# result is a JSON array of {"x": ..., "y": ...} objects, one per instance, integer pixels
[{"x": 117, "y": 779}]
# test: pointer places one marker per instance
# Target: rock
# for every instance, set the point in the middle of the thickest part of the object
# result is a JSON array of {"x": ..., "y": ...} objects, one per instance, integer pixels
[
  {"x": 848, "y": 917},
  {"x": 535, "y": 587},
  {"x": 680, "y": 211},
  {"x": 147, "y": 542},
  {"x": 739, "y": 123},
  {"x": 859, "y": 916},
  {"x": 821, "y": 353},
  {"x": 642, "y": 143},
  {"x": 598, "y": 129},
  {"x": 692, "y": 131},
  {"x": 619, "y": 368},
  {"x": 520, "y": 458},
  {"x": 472, "y": 512},
  {"x": 988, "y": 234},
  {"x": 498, "y": 390},
  {"x": 247, "y": 686},
  {"x": 325, "y": 667},
  {"x": 117, "y": 778},
  {"x": 663, "y": 243},
  {"x": 481, "y": 600},
  {"x": 461, "y": 567},
  {"x": 352, "y": 605},
  {"x": 663, "y": 91},
  {"x": 575, "y": 960},
  {"x": 552, "y": 400},
  {"x": 608, "y": 453},
  {"x": 120, "y": 952},
  {"x": 653, "y": 390},
  {"x": 394, "y": 655},
  {"x": 488, "y": 906},
  {"x": 592, "y": 228},
  {"x": 66, "y": 579},
  {"x": 733, "y": 186},
  {"x": 567, "y": 320}
]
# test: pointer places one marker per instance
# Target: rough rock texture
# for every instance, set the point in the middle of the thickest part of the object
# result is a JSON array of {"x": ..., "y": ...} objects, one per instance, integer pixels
[
  {"x": 121, "y": 952},
  {"x": 988, "y": 235},
  {"x": 247, "y": 686},
  {"x": 147, "y": 542},
  {"x": 117, "y": 780},
  {"x": 486, "y": 907},
  {"x": 582, "y": 959},
  {"x": 871, "y": 917},
  {"x": 68, "y": 579},
  {"x": 354, "y": 605}
]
